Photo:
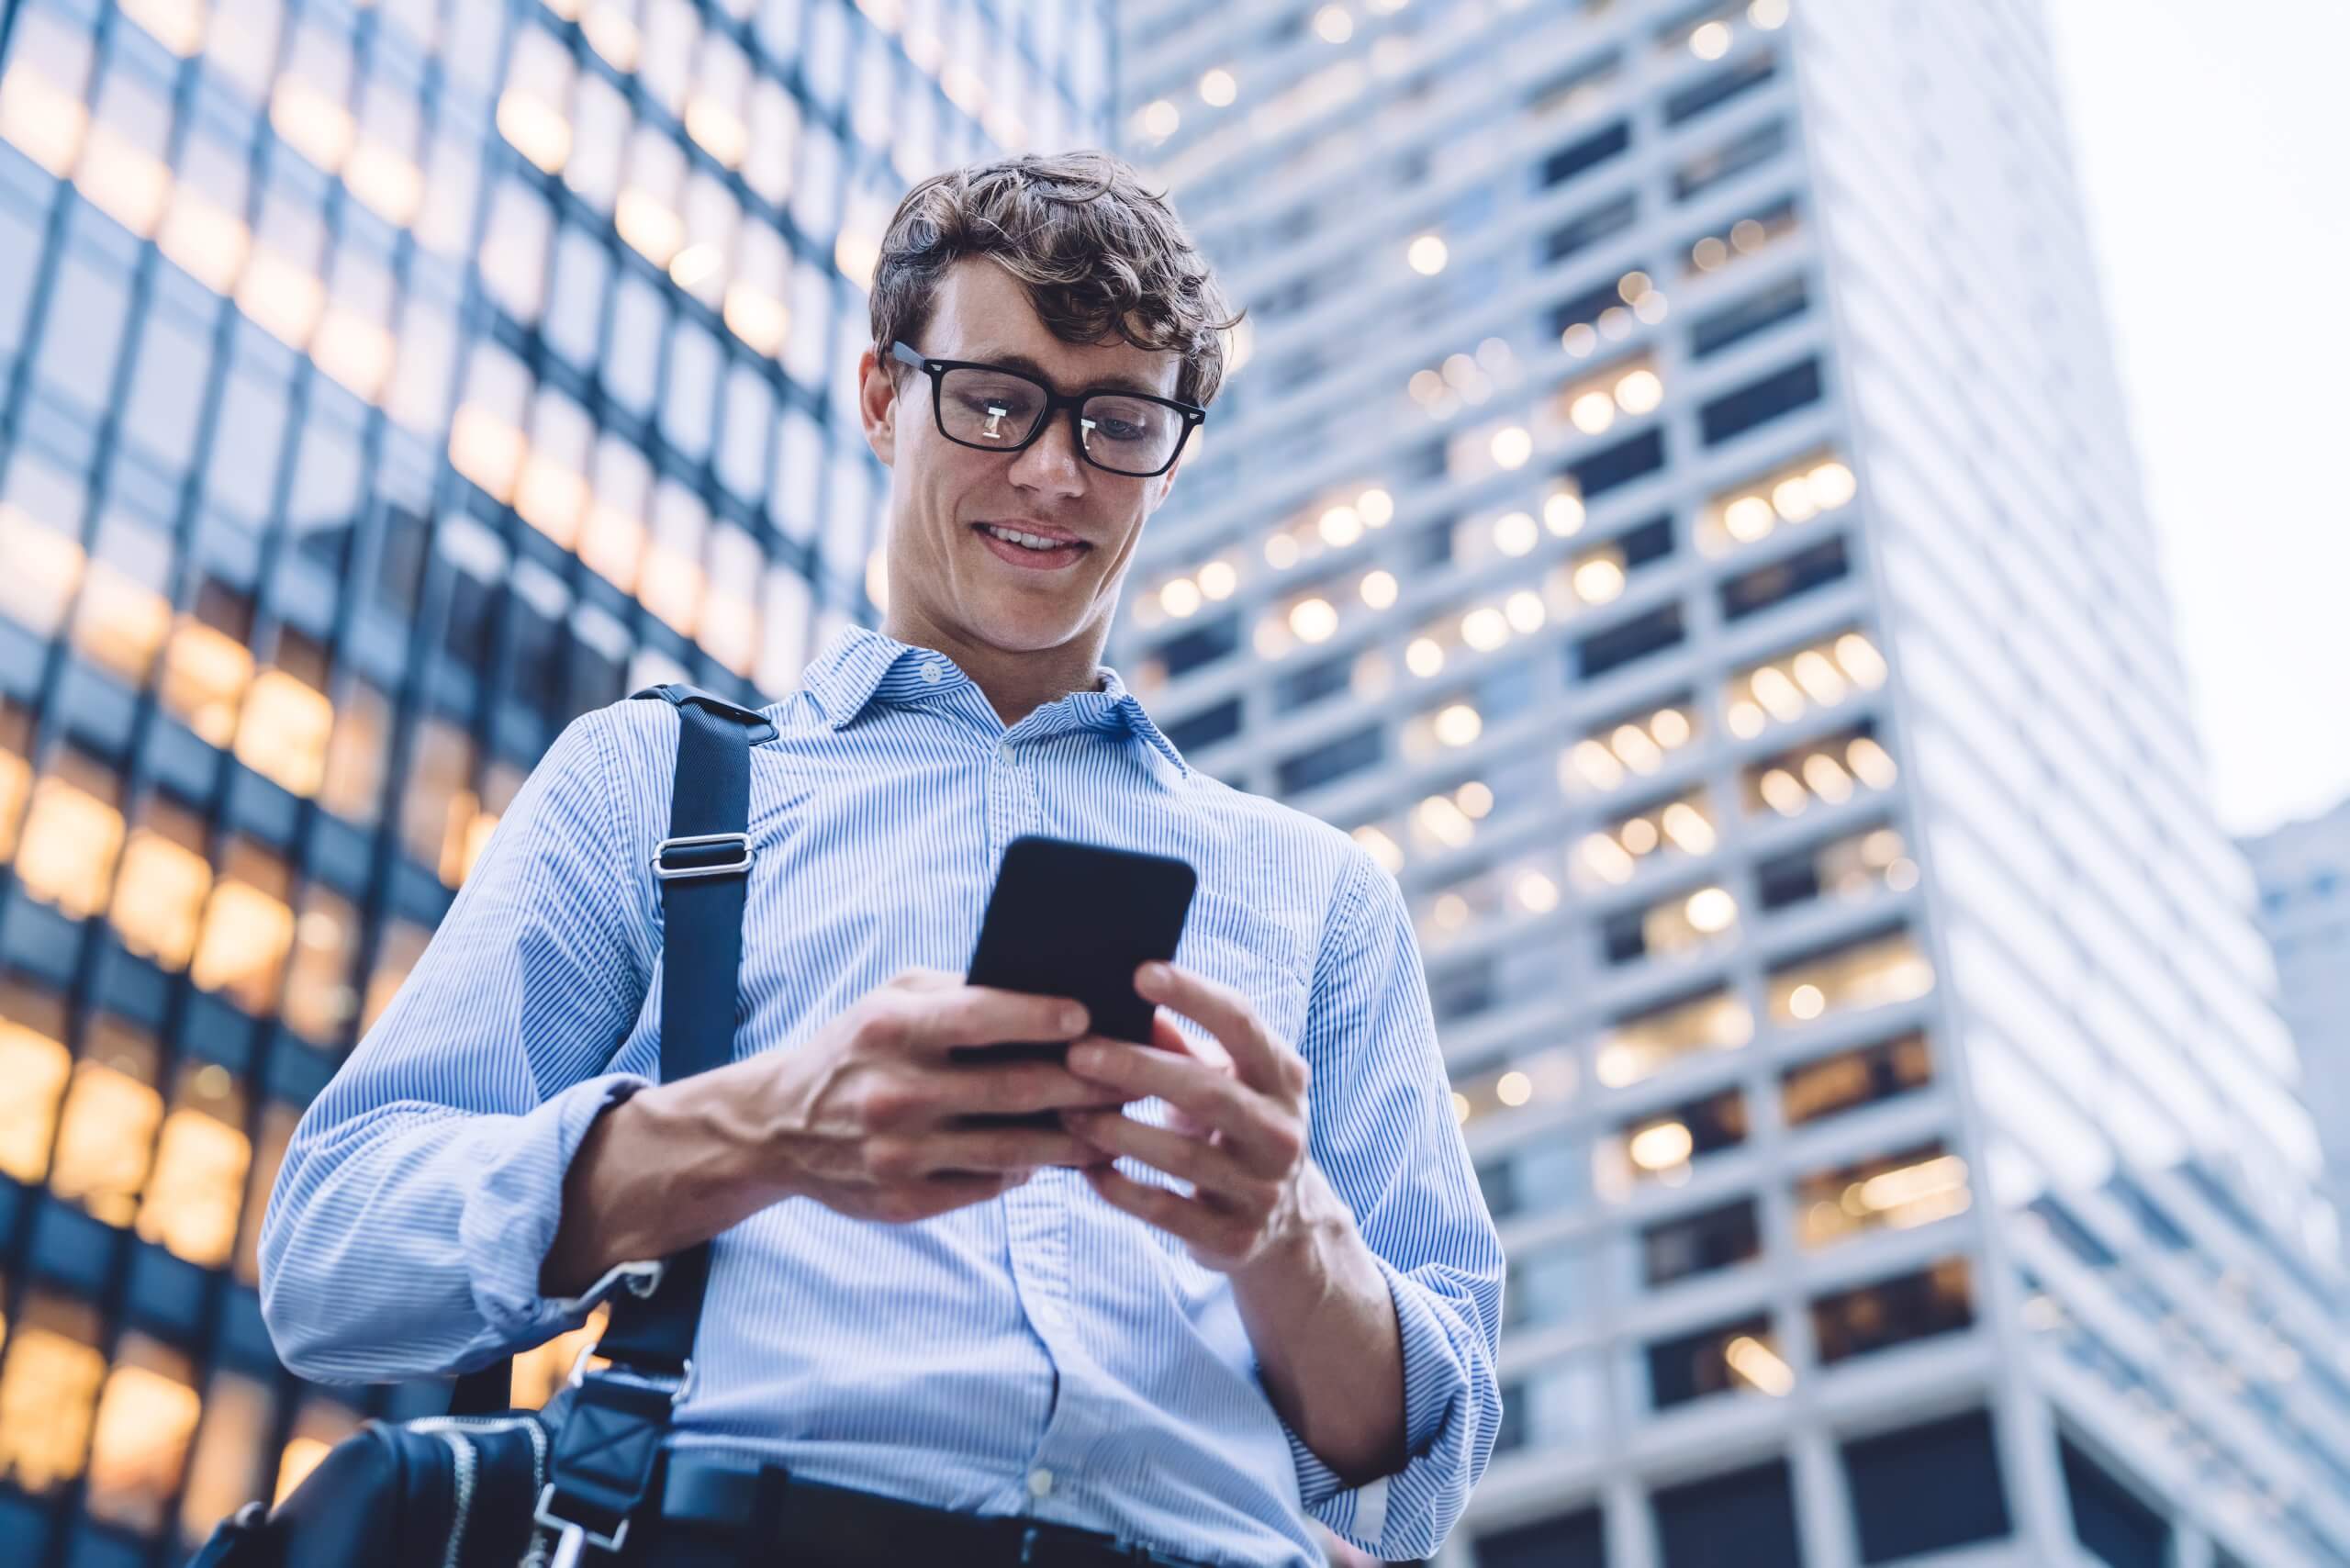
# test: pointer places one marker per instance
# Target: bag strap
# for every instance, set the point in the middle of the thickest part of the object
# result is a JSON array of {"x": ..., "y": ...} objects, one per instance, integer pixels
[{"x": 606, "y": 1445}]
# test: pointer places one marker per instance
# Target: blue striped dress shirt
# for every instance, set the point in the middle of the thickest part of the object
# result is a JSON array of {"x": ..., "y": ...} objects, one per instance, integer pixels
[{"x": 1040, "y": 1354}]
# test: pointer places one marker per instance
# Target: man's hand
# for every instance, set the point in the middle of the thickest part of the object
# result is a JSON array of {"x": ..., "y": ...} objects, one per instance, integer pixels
[
  {"x": 869, "y": 1117},
  {"x": 1238, "y": 1135}
]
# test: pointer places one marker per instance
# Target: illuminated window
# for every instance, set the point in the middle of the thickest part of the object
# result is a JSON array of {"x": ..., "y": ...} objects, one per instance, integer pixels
[
  {"x": 1661, "y": 1145},
  {"x": 147, "y": 1413},
  {"x": 352, "y": 784},
  {"x": 224, "y": 1472},
  {"x": 247, "y": 929},
  {"x": 1885, "y": 1313},
  {"x": 403, "y": 944},
  {"x": 34, "y": 1066},
  {"x": 1851, "y": 866},
  {"x": 437, "y": 807},
  {"x": 106, "y": 1135},
  {"x": 123, "y": 616},
  {"x": 72, "y": 836},
  {"x": 40, "y": 512},
  {"x": 16, "y": 772},
  {"x": 208, "y": 665},
  {"x": 1700, "y": 1242},
  {"x": 277, "y": 1124},
  {"x": 317, "y": 1426},
  {"x": 1545, "y": 1079},
  {"x": 1633, "y": 746},
  {"x": 1733, "y": 1356},
  {"x": 1848, "y": 1079},
  {"x": 1791, "y": 492},
  {"x": 49, "y": 1387},
  {"x": 1830, "y": 769},
  {"x": 200, "y": 1165},
  {"x": 158, "y": 898},
  {"x": 1891, "y": 1191},
  {"x": 1782, "y": 689},
  {"x": 283, "y": 734},
  {"x": 1873, "y": 972},
  {"x": 1612, "y": 855},
  {"x": 320, "y": 1000},
  {"x": 1638, "y": 1045},
  {"x": 1677, "y": 927},
  {"x": 1747, "y": 236}
]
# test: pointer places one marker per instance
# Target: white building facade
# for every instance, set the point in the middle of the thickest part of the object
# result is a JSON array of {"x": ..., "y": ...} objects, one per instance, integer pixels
[
  {"x": 1673, "y": 509},
  {"x": 2303, "y": 870}
]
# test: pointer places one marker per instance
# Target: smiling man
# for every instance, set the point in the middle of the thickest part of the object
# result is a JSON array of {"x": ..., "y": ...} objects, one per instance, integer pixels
[{"x": 1230, "y": 1286}]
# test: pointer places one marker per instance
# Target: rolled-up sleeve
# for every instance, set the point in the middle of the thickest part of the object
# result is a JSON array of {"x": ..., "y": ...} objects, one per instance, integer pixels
[
  {"x": 1383, "y": 1132},
  {"x": 422, "y": 1189}
]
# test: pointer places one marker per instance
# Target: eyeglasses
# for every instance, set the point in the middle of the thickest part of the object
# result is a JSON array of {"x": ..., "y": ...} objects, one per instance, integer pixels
[{"x": 999, "y": 409}]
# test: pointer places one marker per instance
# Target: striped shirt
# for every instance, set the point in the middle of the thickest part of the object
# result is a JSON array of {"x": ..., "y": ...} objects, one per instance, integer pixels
[{"x": 1041, "y": 1353}]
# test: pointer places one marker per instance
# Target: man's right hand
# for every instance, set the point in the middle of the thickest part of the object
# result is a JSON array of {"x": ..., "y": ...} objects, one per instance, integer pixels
[{"x": 869, "y": 1116}]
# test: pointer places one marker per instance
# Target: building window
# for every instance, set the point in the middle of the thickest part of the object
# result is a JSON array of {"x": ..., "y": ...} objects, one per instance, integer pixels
[
  {"x": 1678, "y": 926},
  {"x": 1927, "y": 1488},
  {"x": 1638, "y": 1045},
  {"x": 124, "y": 616},
  {"x": 201, "y": 1161},
  {"x": 158, "y": 908},
  {"x": 1747, "y": 1517},
  {"x": 1461, "y": 991},
  {"x": 224, "y": 1469},
  {"x": 16, "y": 772},
  {"x": 1786, "y": 494},
  {"x": 1766, "y": 587},
  {"x": 1637, "y": 638},
  {"x": 402, "y": 945},
  {"x": 1701, "y": 174},
  {"x": 1759, "y": 401},
  {"x": 1303, "y": 688},
  {"x": 1785, "y": 688},
  {"x": 1749, "y": 235},
  {"x": 2107, "y": 1516},
  {"x": 282, "y": 734},
  {"x": 1587, "y": 153},
  {"x": 1700, "y": 1242},
  {"x": 208, "y": 662},
  {"x": 1757, "y": 312},
  {"x": 106, "y": 1135},
  {"x": 320, "y": 1000},
  {"x": 1857, "y": 865},
  {"x": 1893, "y": 1312},
  {"x": 34, "y": 1067},
  {"x": 1575, "y": 1540},
  {"x": 1874, "y": 971},
  {"x": 1662, "y": 1143},
  {"x": 1899, "y": 1190},
  {"x": 1580, "y": 233},
  {"x": 1619, "y": 465},
  {"x": 1334, "y": 760},
  {"x": 1551, "y": 1284},
  {"x": 1613, "y": 855},
  {"x": 72, "y": 836},
  {"x": 247, "y": 929},
  {"x": 1720, "y": 87},
  {"x": 1830, "y": 769},
  {"x": 1633, "y": 745},
  {"x": 277, "y": 1122},
  {"x": 1206, "y": 727},
  {"x": 147, "y": 1412},
  {"x": 48, "y": 1388},
  {"x": 1849, "y": 1080},
  {"x": 352, "y": 777},
  {"x": 1741, "y": 1355}
]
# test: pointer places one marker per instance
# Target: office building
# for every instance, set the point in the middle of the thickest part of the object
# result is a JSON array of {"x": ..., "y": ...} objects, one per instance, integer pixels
[
  {"x": 380, "y": 385},
  {"x": 1675, "y": 510},
  {"x": 2303, "y": 870}
]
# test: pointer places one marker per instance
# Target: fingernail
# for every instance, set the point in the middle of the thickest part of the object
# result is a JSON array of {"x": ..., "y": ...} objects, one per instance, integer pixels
[
  {"x": 1073, "y": 1019},
  {"x": 1154, "y": 974}
]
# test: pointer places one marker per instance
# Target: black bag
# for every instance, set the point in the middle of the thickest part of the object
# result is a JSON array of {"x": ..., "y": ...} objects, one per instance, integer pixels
[{"x": 484, "y": 1486}]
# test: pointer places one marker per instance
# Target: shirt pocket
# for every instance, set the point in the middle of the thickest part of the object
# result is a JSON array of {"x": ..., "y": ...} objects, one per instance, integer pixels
[{"x": 1262, "y": 949}]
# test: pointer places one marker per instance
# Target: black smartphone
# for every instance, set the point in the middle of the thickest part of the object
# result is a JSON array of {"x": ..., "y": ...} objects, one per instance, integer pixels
[{"x": 1071, "y": 919}]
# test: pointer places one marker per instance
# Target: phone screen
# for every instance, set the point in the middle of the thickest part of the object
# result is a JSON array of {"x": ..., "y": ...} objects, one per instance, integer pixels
[{"x": 1071, "y": 919}]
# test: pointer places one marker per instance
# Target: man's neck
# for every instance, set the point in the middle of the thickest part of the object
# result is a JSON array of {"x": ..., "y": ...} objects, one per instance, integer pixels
[{"x": 1015, "y": 684}]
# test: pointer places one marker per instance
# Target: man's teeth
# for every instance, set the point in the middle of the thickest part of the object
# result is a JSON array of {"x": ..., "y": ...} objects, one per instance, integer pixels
[{"x": 1029, "y": 540}]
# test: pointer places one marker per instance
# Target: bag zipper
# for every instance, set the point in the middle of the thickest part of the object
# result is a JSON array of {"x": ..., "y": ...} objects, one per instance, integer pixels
[{"x": 452, "y": 1429}]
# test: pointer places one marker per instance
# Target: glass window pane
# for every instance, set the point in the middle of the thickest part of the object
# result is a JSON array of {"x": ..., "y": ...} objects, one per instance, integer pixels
[
  {"x": 106, "y": 1135},
  {"x": 225, "y": 1472},
  {"x": 201, "y": 1161},
  {"x": 632, "y": 364},
  {"x": 66, "y": 855},
  {"x": 147, "y": 1412},
  {"x": 49, "y": 1387},
  {"x": 356, "y": 752},
  {"x": 245, "y": 446},
  {"x": 40, "y": 519},
  {"x": 688, "y": 404},
  {"x": 169, "y": 387},
  {"x": 247, "y": 929},
  {"x": 34, "y": 1066},
  {"x": 277, "y": 1124},
  {"x": 82, "y": 327},
  {"x": 159, "y": 897}
]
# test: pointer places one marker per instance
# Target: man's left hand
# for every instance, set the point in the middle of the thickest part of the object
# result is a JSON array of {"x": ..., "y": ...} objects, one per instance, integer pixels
[{"x": 1238, "y": 1135}]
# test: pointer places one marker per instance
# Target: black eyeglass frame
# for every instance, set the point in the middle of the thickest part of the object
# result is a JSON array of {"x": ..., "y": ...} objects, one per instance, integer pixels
[{"x": 1192, "y": 414}]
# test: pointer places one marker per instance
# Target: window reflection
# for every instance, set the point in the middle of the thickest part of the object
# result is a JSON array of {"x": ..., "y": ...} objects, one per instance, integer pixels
[
  {"x": 159, "y": 897},
  {"x": 200, "y": 1165},
  {"x": 1661, "y": 1145},
  {"x": 34, "y": 1066},
  {"x": 72, "y": 836},
  {"x": 146, "y": 1413},
  {"x": 49, "y": 1387},
  {"x": 1742, "y": 1355},
  {"x": 106, "y": 1133}
]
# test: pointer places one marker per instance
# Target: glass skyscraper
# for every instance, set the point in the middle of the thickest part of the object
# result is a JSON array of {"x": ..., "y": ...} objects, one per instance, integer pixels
[
  {"x": 1674, "y": 510},
  {"x": 2303, "y": 868},
  {"x": 380, "y": 385}
]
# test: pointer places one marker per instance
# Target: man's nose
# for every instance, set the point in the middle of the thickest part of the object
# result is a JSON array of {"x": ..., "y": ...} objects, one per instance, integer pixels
[{"x": 1052, "y": 461}]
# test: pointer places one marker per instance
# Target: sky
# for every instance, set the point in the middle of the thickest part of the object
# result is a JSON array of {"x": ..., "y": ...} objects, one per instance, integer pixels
[{"x": 2213, "y": 139}]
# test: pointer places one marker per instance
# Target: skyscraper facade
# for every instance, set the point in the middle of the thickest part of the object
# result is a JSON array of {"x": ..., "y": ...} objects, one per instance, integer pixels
[
  {"x": 1673, "y": 507},
  {"x": 2303, "y": 870},
  {"x": 380, "y": 385}
]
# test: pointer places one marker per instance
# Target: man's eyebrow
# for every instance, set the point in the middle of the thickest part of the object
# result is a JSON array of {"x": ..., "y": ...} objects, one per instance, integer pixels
[{"x": 1107, "y": 383}]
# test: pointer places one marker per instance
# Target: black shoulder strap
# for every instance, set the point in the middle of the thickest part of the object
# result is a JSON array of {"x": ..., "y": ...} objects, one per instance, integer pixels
[{"x": 703, "y": 868}]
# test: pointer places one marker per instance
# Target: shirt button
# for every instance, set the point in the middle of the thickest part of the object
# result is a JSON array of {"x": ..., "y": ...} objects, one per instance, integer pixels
[
  {"x": 1040, "y": 1483},
  {"x": 1004, "y": 753},
  {"x": 930, "y": 675}
]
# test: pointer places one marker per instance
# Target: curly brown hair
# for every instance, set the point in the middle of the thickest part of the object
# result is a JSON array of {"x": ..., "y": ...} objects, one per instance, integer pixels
[{"x": 1102, "y": 258}]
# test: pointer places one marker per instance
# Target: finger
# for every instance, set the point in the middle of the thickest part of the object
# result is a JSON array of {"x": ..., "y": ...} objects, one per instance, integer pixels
[
  {"x": 1187, "y": 1219},
  {"x": 987, "y": 1016},
  {"x": 1216, "y": 1100},
  {"x": 936, "y": 1195},
  {"x": 1167, "y": 1037},
  {"x": 1223, "y": 1012},
  {"x": 995, "y": 1149},
  {"x": 977, "y": 1089},
  {"x": 1212, "y": 1170}
]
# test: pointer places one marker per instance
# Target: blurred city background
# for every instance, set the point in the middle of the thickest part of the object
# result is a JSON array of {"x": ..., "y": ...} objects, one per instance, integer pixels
[{"x": 1676, "y": 505}]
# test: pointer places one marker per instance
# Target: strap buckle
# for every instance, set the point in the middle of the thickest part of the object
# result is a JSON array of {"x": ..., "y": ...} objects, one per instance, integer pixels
[
  {"x": 571, "y": 1540},
  {"x": 741, "y": 842}
]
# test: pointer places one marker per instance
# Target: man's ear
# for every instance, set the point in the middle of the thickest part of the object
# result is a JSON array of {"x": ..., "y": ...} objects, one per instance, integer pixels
[{"x": 877, "y": 402}]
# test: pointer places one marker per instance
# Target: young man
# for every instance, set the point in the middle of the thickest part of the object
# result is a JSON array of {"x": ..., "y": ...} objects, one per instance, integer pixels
[{"x": 1283, "y": 1307}]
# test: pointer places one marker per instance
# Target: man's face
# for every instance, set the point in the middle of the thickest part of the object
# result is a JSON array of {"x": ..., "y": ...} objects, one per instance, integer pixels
[{"x": 944, "y": 574}]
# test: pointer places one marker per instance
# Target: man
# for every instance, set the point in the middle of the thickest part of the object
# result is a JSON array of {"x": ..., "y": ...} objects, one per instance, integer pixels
[{"x": 1282, "y": 1308}]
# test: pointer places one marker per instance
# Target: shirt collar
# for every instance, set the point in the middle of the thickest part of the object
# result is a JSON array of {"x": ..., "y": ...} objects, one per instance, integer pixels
[{"x": 860, "y": 666}]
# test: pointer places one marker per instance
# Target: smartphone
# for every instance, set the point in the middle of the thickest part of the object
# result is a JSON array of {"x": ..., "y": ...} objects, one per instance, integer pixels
[{"x": 1071, "y": 919}]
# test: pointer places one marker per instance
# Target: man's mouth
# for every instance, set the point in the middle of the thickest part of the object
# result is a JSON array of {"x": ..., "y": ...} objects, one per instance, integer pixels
[
  {"x": 1031, "y": 551},
  {"x": 1028, "y": 539}
]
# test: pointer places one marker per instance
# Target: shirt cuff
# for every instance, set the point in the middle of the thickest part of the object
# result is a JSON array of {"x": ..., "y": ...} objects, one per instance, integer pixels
[
  {"x": 516, "y": 1205},
  {"x": 1431, "y": 1382}
]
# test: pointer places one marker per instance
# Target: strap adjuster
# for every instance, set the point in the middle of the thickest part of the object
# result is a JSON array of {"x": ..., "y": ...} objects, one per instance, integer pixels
[
  {"x": 571, "y": 1539},
  {"x": 740, "y": 841}
]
